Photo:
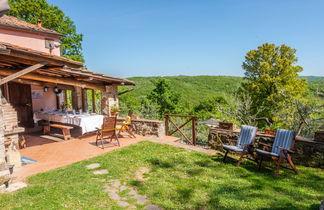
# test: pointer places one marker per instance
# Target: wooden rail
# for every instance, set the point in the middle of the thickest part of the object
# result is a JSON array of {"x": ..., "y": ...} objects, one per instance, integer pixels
[{"x": 192, "y": 119}]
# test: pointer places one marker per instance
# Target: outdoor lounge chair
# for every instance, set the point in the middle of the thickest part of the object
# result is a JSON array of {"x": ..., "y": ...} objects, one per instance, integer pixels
[
  {"x": 126, "y": 127},
  {"x": 281, "y": 150},
  {"x": 107, "y": 131},
  {"x": 244, "y": 143}
]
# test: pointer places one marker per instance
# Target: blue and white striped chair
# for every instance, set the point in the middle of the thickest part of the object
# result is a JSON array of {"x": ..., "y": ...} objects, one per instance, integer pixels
[
  {"x": 244, "y": 143},
  {"x": 281, "y": 149}
]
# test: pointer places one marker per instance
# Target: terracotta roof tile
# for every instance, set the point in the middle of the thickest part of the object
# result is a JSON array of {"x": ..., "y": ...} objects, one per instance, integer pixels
[{"x": 17, "y": 23}]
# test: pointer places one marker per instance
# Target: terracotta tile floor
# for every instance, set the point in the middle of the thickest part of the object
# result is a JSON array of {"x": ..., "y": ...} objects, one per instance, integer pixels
[{"x": 51, "y": 154}]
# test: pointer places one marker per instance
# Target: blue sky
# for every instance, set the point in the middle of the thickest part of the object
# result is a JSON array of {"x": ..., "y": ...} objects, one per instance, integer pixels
[{"x": 190, "y": 37}]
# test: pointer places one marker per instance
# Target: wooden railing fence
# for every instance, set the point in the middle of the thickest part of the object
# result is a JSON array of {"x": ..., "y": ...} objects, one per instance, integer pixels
[{"x": 192, "y": 119}]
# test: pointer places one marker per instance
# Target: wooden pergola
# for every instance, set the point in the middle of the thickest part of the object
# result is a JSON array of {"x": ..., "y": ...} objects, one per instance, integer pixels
[{"x": 27, "y": 66}]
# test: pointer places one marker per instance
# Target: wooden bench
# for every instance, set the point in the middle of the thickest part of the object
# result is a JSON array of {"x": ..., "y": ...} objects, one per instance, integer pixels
[{"x": 65, "y": 130}]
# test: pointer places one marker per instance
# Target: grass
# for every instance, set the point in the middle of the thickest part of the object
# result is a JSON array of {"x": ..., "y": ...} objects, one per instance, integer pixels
[{"x": 178, "y": 179}]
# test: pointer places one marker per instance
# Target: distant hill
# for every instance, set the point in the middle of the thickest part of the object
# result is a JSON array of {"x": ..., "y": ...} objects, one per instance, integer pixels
[{"x": 194, "y": 89}]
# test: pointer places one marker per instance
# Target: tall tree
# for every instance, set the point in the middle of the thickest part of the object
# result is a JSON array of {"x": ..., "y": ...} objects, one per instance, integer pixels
[
  {"x": 272, "y": 78},
  {"x": 166, "y": 99},
  {"x": 52, "y": 18}
]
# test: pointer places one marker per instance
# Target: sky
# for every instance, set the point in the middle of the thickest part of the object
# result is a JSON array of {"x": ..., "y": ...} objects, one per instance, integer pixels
[{"x": 129, "y": 38}]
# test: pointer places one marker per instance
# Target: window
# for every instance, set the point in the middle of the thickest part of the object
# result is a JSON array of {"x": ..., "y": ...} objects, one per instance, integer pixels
[{"x": 49, "y": 44}]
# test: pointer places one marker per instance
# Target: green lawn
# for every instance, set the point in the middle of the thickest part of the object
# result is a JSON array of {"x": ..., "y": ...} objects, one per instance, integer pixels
[{"x": 178, "y": 179}]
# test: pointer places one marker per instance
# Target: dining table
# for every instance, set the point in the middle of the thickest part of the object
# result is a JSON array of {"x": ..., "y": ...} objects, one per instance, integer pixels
[{"x": 88, "y": 122}]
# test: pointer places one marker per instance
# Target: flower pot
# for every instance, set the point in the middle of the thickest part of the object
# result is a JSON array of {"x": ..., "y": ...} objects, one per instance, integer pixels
[
  {"x": 113, "y": 114},
  {"x": 227, "y": 125},
  {"x": 270, "y": 132}
]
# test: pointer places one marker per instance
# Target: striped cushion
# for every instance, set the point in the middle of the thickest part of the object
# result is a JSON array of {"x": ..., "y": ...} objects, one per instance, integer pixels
[
  {"x": 247, "y": 135},
  {"x": 266, "y": 152},
  {"x": 284, "y": 138},
  {"x": 233, "y": 148}
]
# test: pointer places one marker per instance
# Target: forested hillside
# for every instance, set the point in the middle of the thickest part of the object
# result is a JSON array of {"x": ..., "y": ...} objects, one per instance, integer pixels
[{"x": 194, "y": 89}]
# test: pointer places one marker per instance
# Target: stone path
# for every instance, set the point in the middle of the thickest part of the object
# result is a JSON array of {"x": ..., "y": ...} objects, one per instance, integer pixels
[{"x": 115, "y": 187}]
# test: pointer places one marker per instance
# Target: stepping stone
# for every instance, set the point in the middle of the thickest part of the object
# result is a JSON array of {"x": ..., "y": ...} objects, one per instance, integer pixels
[
  {"x": 16, "y": 186},
  {"x": 99, "y": 180},
  {"x": 122, "y": 203},
  {"x": 122, "y": 188},
  {"x": 116, "y": 183},
  {"x": 109, "y": 189},
  {"x": 93, "y": 166},
  {"x": 114, "y": 196},
  {"x": 152, "y": 207},
  {"x": 140, "y": 199},
  {"x": 100, "y": 172},
  {"x": 132, "y": 192}
]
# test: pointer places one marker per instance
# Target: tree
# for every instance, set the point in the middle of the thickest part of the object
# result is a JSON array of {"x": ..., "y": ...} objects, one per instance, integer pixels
[
  {"x": 272, "y": 78},
  {"x": 166, "y": 99},
  {"x": 52, "y": 18},
  {"x": 209, "y": 108}
]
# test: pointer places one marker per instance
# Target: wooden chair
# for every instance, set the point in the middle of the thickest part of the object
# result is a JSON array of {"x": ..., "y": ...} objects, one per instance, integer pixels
[
  {"x": 281, "y": 150},
  {"x": 107, "y": 131},
  {"x": 126, "y": 127},
  {"x": 244, "y": 143}
]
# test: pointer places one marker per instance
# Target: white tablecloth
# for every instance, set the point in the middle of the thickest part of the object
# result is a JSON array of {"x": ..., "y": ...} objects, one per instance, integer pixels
[{"x": 87, "y": 122}]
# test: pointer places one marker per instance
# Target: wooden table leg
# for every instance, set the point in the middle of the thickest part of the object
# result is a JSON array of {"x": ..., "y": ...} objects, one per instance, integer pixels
[
  {"x": 66, "y": 133},
  {"x": 46, "y": 129}
]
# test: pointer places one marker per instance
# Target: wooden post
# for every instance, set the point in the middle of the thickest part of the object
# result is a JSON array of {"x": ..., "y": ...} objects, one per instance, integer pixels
[
  {"x": 84, "y": 100},
  {"x": 194, "y": 131},
  {"x": 166, "y": 125},
  {"x": 93, "y": 101}
]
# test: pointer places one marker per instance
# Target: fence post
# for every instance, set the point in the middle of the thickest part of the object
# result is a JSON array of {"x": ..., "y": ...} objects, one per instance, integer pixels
[
  {"x": 194, "y": 131},
  {"x": 166, "y": 124}
]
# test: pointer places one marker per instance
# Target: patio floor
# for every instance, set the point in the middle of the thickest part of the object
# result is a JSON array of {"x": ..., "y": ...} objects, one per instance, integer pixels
[{"x": 51, "y": 154}]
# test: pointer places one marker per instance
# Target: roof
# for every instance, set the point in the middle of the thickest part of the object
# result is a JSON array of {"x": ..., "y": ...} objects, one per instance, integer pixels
[
  {"x": 38, "y": 54},
  {"x": 14, "y": 57},
  {"x": 13, "y": 22}
]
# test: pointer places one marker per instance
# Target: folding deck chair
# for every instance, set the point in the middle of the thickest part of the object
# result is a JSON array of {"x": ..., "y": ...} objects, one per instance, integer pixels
[
  {"x": 126, "y": 127},
  {"x": 281, "y": 150},
  {"x": 107, "y": 131},
  {"x": 244, "y": 143}
]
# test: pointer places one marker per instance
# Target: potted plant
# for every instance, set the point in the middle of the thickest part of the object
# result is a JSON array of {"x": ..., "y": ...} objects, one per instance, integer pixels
[
  {"x": 269, "y": 131},
  {"x": 114, "y": 109}
]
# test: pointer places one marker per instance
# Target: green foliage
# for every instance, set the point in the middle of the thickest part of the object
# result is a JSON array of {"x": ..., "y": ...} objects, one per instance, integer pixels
[
  {"x": 210, "y": 107},
  {"x": 165, "y": 98},
  {"x": 52, "y": 18},
  {"x": 193, "y": 90},
  {"x": 200, "y": 94},
  {"x": 272, "y": 78}
]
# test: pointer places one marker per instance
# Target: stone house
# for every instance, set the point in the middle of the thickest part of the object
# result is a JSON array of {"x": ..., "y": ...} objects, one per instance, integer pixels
[{"x": 35, "y": 77}]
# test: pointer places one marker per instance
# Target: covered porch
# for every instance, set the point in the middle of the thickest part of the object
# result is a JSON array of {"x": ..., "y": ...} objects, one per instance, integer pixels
[{"x": 34, "y": 82}]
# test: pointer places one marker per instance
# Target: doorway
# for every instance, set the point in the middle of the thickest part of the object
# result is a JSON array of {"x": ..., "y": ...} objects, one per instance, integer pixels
[{"x": 20, "y": 98}]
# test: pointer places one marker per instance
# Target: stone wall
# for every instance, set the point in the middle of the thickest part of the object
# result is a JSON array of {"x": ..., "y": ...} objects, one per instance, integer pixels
[
  {"x": 145, "y": 127},
  {"x": 9, "y": 154},
  {"x": 307, "y": 151}
]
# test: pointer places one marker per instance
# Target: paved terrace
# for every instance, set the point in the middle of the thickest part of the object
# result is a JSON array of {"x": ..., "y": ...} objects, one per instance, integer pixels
[{"x": 51, "y": 154}]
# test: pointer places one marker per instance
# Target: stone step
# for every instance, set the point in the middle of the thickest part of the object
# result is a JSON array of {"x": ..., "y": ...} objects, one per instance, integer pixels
[{"x": 4, "y": 176}]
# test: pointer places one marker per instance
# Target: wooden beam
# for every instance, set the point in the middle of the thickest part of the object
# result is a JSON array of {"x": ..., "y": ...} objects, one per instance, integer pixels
[
  {"x": 22, "y": 72},
  {"x": 55, "y": 80}
]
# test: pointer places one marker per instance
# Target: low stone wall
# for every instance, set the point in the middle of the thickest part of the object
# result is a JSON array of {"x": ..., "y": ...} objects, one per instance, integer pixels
[
  {"x": 145, "y": 127},
  {"x": 307, "y": 152}
]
